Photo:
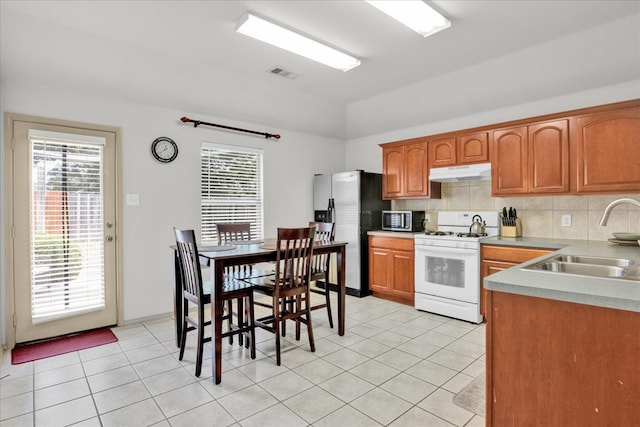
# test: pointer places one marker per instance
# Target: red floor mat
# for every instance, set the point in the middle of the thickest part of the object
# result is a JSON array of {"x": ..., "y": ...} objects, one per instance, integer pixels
[{"x": 66, "y": 344}]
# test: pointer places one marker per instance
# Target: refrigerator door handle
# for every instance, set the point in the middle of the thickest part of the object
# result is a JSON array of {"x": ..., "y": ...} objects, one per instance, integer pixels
[{"x": 330, "y": 210}]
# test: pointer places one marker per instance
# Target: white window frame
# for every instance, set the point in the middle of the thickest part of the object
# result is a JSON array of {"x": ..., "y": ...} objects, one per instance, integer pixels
[{"x": 209, "y": 200}]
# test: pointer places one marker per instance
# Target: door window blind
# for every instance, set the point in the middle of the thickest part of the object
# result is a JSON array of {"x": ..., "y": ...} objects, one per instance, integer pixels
[
  {"x": 67, "y": 252},
  {"x": 231, "y": 189}
]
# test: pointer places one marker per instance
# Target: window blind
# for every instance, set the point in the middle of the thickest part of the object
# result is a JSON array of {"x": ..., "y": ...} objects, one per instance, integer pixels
[
  {"x": 67, "y": 252},
  {"x": 231, "y": 189}
]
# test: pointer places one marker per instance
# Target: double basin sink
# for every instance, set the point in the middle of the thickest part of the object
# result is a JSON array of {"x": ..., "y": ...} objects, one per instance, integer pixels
[{"x": 592, "y": 266}]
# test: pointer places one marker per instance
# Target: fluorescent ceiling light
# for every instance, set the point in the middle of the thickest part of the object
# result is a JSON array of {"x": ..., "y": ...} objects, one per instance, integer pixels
[
  {"x": 415, "y": 14},
  {"x": 261, "y": 29}
]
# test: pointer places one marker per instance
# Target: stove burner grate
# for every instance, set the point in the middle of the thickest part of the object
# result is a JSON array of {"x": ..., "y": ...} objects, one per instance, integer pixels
[
  {"x": 438, "y": 233},
  {"x": 471, "y": 234}
]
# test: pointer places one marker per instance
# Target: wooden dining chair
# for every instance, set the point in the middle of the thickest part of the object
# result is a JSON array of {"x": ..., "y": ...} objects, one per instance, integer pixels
[
  {"x": 230, "y": 232},
  {"x": 325, "y": 232},
  {"x": 197, "y": 293},
  {"x": 239, "y": 232},
  {"x": 290, "y": 283}
]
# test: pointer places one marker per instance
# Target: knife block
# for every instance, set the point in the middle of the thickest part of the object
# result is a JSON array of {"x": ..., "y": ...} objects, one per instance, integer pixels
[{"x": 512, "y": 231}]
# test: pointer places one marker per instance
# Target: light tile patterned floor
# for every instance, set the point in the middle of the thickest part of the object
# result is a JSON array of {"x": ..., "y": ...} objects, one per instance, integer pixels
[{"x": 395, "y": 366}]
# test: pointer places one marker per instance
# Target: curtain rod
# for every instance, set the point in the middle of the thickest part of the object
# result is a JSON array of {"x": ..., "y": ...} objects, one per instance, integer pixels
[{"x": 196, "y": 123}]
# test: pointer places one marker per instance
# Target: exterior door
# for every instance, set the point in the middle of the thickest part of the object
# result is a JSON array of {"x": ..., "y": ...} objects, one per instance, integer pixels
[{"x": 64, "y": 220}]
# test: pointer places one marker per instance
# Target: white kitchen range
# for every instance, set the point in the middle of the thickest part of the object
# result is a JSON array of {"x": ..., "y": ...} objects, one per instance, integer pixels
[{"x": 447, "y": 264}]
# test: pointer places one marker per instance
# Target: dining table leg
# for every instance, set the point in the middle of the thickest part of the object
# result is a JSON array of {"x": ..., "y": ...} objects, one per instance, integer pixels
[
  {"x": 342, "y": 288},
  {"x": 217, "y": 306}
]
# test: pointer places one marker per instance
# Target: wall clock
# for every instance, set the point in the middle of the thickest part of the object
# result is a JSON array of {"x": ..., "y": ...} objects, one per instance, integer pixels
[{"x": 164, "y": 149}]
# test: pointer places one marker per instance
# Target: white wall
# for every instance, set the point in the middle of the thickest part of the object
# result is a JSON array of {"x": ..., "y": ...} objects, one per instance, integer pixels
[{"x": 169, "y": 194}]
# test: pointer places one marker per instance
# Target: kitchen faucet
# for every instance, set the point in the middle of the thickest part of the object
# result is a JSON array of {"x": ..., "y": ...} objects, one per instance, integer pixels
[{"x": 607, "y": 211}]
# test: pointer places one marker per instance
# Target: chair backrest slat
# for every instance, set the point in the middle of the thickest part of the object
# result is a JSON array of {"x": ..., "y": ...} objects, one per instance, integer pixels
[
  {"x": 325, "y": 231},
  {"x": 189, "y": 262},
  {"x": 228, "y": 232},
  {"x": 293, "y": 264}
]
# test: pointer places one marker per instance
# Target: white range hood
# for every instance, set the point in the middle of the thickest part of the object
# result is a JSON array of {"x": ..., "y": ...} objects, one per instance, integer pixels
[{"x": 475, "y": 172}]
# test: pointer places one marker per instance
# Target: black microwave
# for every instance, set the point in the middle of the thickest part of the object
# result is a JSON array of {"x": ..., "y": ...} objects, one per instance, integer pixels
[{"x": 403, "y": 220}]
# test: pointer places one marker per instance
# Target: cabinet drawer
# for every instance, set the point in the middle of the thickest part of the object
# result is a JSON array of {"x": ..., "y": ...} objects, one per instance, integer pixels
[
  {"x": 511, "y": 254},
  {"x": 400, "y": 244}
]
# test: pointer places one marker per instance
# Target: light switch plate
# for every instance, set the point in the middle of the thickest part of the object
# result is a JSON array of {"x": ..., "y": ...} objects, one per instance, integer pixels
[
  {"x": 566, "y": 220},
  {"x": 133, "y": 199}
]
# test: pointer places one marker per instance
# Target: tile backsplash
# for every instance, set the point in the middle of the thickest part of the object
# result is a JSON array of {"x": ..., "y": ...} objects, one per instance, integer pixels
[{"x": 541, "y": 215}]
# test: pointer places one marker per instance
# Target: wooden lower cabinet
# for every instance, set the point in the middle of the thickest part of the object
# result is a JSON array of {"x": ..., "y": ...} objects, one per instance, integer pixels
[
  {"x": 391, "y": 268},
  {"x": 496, "y": 258},
  {"x": 555, "y": 363}
]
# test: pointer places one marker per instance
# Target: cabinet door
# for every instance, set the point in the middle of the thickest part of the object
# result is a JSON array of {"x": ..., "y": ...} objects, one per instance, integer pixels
[
  {"x": 473, "y": 148},
  {"x": 605, "y": 149},
  {"x": 509, "y": 161},
  {"x": 549, "y": 157},
  {"x": 380, "y": 267},
  {"x": 442, "y": 152},
  {"x": 392, "y": 169},
  {"x": 486, "y": 269},
  {"x": 403, "y": 272},
  {"x": 416, "y": 172}
]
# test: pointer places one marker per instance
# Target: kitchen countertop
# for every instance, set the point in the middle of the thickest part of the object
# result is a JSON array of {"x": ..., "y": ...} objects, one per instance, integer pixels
[
  {"x": 398, "y": 234},
  {"x": 530, "y": 242},
  {"x": 598, "y": 291}
]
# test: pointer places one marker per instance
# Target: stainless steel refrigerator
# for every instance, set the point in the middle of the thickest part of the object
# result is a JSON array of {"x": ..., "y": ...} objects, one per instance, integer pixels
[{"x": 353, "y": 200}]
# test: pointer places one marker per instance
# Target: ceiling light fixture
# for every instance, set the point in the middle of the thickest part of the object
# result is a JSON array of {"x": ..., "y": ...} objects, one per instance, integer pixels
[
  {"x": 261, "y": 29},
  {"x": 415, "y": 14}
]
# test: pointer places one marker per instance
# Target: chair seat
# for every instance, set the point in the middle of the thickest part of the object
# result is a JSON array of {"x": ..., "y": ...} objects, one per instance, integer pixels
[{"x": 265, "y": 284}]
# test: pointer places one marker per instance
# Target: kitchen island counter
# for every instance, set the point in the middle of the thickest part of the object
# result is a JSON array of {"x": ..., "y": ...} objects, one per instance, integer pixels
[{"x": 597, "y": 291}]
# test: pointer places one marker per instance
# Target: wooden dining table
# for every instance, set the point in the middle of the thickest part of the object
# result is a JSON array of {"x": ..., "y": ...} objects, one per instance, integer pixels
[{"x": 243, "y": 253}]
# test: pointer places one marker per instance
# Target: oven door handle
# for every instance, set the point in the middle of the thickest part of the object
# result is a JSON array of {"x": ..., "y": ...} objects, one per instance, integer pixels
[{"x": 438, "y": 250}]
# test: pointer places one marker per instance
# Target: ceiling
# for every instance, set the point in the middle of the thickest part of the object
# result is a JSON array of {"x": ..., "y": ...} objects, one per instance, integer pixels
[{"x": 186, "y": 55}]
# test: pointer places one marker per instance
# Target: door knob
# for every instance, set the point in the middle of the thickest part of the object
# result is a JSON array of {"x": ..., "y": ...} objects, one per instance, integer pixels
[{"x": 109, "y": 238}]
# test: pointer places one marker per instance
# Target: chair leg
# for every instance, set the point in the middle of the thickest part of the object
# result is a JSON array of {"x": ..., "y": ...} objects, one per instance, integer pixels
[
  {"x": 200, "y": 349},
  {"x": 183, "y": 335},
  {"x": 230, "y": 318},
  {"x": 240, "y": 321},
  {"x": 312, "y": 344},
  {"x": 183, "y": 340},
  {"x": 276, "y": 327},
  {"x": 298, "y": 310},
  {"x": 252, "y": 323},
  {"x": 283, "y": 308},
  {"x": 328, "y": 299}
]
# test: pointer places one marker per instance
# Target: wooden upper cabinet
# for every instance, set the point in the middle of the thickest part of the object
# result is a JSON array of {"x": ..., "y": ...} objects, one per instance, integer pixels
[
  {"x": 531, "y": 159},
  {"x": 549, "y": 157},
  {"x": 406, "y": 171},
  {"x": 605, "y": 151},
  {"x": 473, "y": 148},
  {"x": 509, "y": 161},
  {"x": 462, "y": 150},
  {"x": 416, "y": 170},
  {"x": 590, "y": 150},
  {"x": 443, "y": 152},
  {"x": 392, "y": 172}
]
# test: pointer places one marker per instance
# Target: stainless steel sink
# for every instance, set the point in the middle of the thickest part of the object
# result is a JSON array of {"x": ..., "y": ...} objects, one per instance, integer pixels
[
  {"x": 583, "y": 269},
  {"x": 580, "y": 259},
  {"x": 619, "y": 268}
]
